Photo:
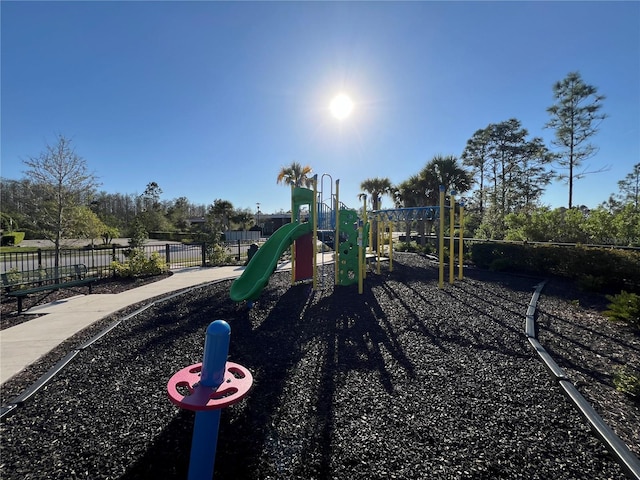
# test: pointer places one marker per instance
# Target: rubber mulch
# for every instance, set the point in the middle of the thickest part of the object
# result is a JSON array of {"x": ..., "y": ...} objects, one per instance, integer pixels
[{"x": 406, "y": 381}]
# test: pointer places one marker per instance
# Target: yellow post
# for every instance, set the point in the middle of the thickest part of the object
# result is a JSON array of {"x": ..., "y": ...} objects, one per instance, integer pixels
[
  {"x": 391, "y": 246},
  {"x": 452, "y": 244},
  {"x": 365, "y": 220},
  {"x": 360, "y": 260},
  {"x": 371, "y": 232},
  {"x": 441, "y": 241},
  {"x": 336, "y": 239},
  {"x": 293, "y": 249},
  {"x": 379, "y": 237},
  {"x": 314, "y": 212},
  {"x": 461, "y": 243}
]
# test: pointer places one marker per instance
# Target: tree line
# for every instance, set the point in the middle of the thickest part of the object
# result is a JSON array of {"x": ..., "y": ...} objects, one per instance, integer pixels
[{"x": 33, "y": 205}]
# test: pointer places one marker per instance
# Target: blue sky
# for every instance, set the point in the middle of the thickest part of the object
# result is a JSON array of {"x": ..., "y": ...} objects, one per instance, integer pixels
[{"x": 211, "y": 99}]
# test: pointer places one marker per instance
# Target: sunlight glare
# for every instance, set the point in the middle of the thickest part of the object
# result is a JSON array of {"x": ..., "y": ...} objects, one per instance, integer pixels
[{"x": 341, "y": 106}]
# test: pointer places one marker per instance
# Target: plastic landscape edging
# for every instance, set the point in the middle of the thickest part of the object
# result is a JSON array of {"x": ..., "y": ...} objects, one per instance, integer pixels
[
  {"x": 621, "y": 453},
  {"x": 44, "y": 379}
]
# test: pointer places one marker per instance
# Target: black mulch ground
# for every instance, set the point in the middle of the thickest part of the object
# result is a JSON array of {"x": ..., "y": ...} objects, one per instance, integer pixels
[{"x": 405, "y": 381}]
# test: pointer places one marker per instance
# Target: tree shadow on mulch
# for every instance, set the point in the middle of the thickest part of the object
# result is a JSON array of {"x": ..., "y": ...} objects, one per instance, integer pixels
[
  {"x": 271, "y": 340},
  {"x": 479, "y": 293},
  {"x": 355, "y": 333},
  {"x": 267, "y": 351}
]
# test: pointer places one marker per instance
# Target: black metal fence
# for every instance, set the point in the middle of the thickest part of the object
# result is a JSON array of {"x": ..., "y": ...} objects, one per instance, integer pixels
[{"x": 99, "y": 260}]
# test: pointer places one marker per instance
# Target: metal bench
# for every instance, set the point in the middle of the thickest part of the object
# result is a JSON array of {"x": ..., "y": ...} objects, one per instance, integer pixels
[{"x": 21, "y": 284}]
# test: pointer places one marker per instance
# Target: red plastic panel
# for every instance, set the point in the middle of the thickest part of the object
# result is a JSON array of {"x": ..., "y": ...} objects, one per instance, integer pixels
[{"x": 185, "y": 391}]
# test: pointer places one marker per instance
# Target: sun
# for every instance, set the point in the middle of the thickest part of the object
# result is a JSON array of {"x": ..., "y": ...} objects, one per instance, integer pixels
[{"x": 341, "y": 106}]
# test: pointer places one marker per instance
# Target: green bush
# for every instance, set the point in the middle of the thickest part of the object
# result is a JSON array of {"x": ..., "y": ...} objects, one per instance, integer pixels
[
  {"x": 12, "y": 238},
  {"x": 412, "y": 247},
  {"x": 593, "y": 267},
  {"x": 138, "y": 265},
  {"x": 184, "y": 237},
  {"x": 217, "y": 254},
  {"x": 13, "y": 275},
  {"x": 138, "y": 235},
  {"x": 591, "y": 283},
  {"x": 627, "y": 380},
  {"x": 426, "y": 249},
  {"x": 405, "y": 247},
  {"x": 99, "y": 246},
  {"x": 625, "y": 308},
  {"x": 501, "y": 265}
]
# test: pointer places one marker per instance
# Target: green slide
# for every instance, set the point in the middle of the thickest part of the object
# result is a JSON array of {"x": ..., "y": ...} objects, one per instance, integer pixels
[{"x": 254, "y": 278}]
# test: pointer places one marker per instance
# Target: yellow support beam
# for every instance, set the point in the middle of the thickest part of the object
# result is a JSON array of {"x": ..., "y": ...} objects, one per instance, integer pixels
[
  {"x": 461, "y": 244},
  {"x": 441, "y": 240},
  {"x": 314, "y": 249},
  {"x": 452, "y": 252},
  {"x": 336, "y": 240},
  {"x": 364, "y": 223},
  {"x": 292, "y": 248},
  {"x": 390, "y": 246},
  {"x": 361, "y": 254}
]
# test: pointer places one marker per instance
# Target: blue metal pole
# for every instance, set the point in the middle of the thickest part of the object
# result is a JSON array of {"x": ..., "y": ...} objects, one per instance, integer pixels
[{"x": 205, "y": 428}]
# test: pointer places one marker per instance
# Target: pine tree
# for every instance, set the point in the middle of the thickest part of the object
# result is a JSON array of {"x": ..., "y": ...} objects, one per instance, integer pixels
[{"x": 575, "y": 117}]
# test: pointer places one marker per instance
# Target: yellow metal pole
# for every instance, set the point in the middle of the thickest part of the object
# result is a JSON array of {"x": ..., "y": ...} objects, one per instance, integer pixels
[
  {"x": 336, "y": 238},
  {"x": 441, "y": 241},
  {"x": 390, "y": 246},
  {"x": 360, "y": 260},
  {"x": 371, "y": 232},
  {"x": 314, "y": 212},
  {"x": 379, "y": 237},
  {"x": 452, "y": 244},
  {"x": 461, "y": 243},
  {"x": 364, "y": 250},
  {"x": 293, "y": 249}
]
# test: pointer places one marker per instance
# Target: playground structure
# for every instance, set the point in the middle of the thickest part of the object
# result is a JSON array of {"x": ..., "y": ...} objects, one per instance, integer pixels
[
  {"x": 387, "y": 218},
  {"x": 339, "y": 227},
  {"x": 333, "y": 223}
]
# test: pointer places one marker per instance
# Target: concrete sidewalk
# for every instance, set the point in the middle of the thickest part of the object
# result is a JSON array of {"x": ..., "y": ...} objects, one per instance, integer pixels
[
  {"x": 22, "y": 345},
  {"x": 25, "y": 343}
]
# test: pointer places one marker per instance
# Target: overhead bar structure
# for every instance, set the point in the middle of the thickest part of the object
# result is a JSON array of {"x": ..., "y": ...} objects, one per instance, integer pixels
[
  {"x": 430, "y": 213},
  {"x": 406, "y": 214}
]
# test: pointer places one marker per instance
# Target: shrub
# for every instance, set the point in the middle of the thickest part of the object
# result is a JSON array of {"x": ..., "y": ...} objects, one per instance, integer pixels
[
  {"x": 12, "y": 238},
  {"x": 184, "y": 237},
  {"x": 627, "y": 380},
  {"x": 405, "y": 247},
  {"x": 591, "y": 283},
  {"x": 13, "y": 275},
  {"x": 138, "y": 265},
  {"x": 412, "y": 247},
  {"x": 594, "y": 267},
  {"x": 625, "y": 308},
  {"x": 138, "y": 235},
  {"x": 217, "y": 254},
  {"x": 427, "y": 249},
  {"x": 98, "y": 246},
  {"x": 501, "y": 265}
]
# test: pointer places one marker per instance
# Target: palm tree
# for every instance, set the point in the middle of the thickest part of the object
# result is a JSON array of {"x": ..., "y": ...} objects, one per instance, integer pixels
[
  {"x": 446, "y": 171},
  {"x": 222, "y": 210},
  {"x": 296, "y": 175},
  {"x": 376, "y": 188},
  {"x": 443, "y": 171},
  {"x": 243, "y": 217},
  {"x": 410, "y": 193}
]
